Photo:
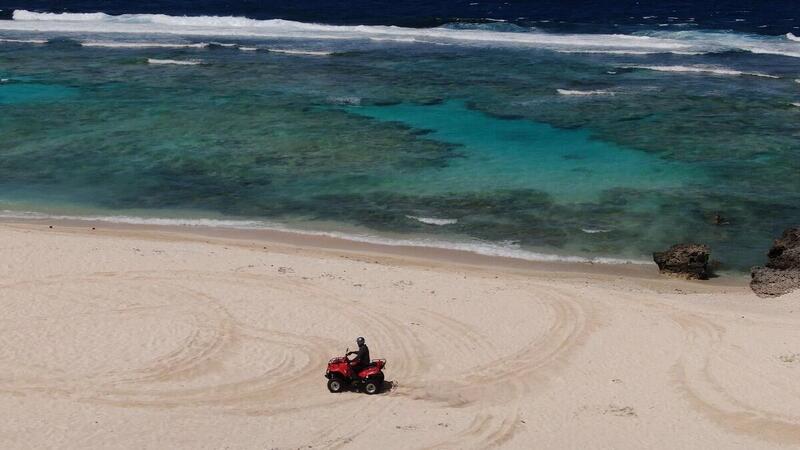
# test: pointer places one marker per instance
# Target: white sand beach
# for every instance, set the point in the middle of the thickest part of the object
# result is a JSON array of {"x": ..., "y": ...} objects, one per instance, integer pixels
[{"x": 125, "y": 337}]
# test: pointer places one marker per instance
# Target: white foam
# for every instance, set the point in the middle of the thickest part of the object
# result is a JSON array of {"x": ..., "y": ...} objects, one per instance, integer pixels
[
  {"x": 433, "y": 221},
  {"x": 25, "y": 41},
  {"x": 630, "y": 52},
  {"x": 771, "y": 51},
  {"x": 351, "y": 101},
  {"x": 702, "y": 69},
  {"x": 716, "y": 41},
  {"x": 594, "y": 230},
  {"x": 575, "y": 92},
  {"x": 241, "y": 26},
  {"x": 506, "y": 250},
  {"x": 3, "y": 80},
  {"x": 405, "y": 39},
  {"x": 792, "y": 37},
  {"x": 795, "y": 104},
  {"x": 611, "y": 52},
  {"x": 299, "y": 52},
  {"x": 681, "y": 42},
  {"x": 112, "y": 44},
  {"x": 133, "y": 220},
  {"x": 248, "y": 49},
  {"x": 177, "y": 62}
]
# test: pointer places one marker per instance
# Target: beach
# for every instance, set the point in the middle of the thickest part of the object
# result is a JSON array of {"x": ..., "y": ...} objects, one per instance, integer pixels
[
  {"x": 122, "y": 336},
  {"x": 203, "y": 203}
]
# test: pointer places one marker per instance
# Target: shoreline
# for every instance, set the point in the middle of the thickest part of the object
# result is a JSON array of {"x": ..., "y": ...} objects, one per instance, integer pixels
[
  {"x": 151, "y": 336},
  {"x": 407, "y": 254},
  {"x": 366, "y": 236}
]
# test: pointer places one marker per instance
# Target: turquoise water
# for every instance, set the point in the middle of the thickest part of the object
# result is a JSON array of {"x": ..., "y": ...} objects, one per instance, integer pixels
[
  {"x": 529, "y": 148},
  {"x": 496, "y": 154},
  {"x": 13, "y": 93}
]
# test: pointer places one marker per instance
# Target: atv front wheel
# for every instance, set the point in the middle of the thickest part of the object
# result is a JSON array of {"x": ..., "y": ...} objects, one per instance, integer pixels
[
  {"x": 372, "y": 387},
  {"x": 335, "y": 385}
]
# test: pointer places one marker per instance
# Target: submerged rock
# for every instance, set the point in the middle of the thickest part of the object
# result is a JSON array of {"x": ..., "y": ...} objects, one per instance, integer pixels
[
  {"x": 685, "y": 260},
  {"x": 782, "y": 272}
]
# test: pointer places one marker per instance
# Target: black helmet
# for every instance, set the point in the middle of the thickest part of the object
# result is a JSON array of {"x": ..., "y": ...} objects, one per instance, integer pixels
[{"x": 360, "y": 341}]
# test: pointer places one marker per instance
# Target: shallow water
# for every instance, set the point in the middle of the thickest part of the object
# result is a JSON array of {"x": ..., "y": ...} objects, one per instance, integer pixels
[
  {"x": 520, "y": 145},
  {"x": 503, "y": 154}
]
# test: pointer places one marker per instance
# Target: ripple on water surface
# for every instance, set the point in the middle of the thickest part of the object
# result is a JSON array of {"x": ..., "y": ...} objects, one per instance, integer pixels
[{"x": 13, "y": 93}]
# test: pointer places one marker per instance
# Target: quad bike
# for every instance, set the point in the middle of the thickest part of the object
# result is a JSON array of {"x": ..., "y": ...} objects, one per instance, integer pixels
[{"x": 341, "y": 376}]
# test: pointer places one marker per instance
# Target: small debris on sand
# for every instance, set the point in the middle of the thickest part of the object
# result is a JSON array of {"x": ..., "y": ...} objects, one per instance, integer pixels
[{"x": 621, "y": 411}]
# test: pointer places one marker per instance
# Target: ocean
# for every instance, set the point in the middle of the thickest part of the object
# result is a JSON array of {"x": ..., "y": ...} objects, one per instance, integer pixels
[{"x": 575, "y": 131}]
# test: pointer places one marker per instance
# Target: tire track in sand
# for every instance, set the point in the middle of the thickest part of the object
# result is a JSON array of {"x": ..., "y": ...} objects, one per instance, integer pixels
[
  {"x": 532, "y": 362},
  {"x": 695, "y": 379},
  {"x": 191, "y": 373},
  {"x": 505, "y": 380},
  {"x": 214, "y": 333}
]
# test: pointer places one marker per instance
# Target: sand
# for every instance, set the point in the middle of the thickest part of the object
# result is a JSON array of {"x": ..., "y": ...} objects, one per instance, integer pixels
[{"x": 172, "y": 338}]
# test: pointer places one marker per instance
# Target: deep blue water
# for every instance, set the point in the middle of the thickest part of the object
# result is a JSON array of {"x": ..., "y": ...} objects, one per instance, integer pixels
[{"x": 599, "y": 129}]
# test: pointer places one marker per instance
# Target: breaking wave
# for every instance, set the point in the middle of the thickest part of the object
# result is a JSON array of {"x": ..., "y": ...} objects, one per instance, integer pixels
[
  {"x": 241, "y": 26},
  {"x": 348, "y": 101},
  {"x": 662, "y": 42},
  {"x": 594, "y": 230},
  {"x": 584, "y": 93},
  {"x": 190, "y": 62},
  {"x": 300, "y": 52},
  {"x": 631, "y": 52},
  {"x": 703, "y": 69},
  {"x": 25, "y": 41},
  {"x": 505, "y": 250},
  {"x": 112, "y": 44},
  {"x": 716, "y": 41},
  {"x": 433, "y": 221}
]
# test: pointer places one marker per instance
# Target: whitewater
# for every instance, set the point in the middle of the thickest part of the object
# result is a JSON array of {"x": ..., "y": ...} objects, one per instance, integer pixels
[
  {"x": 506, "y": 250},
  {"x": 685, "y": 43},
  {"x": 702, "y": 70}
]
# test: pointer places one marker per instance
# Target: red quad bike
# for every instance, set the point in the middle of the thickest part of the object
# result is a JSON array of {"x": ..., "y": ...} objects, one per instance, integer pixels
[{"x": 341, "y": 376}]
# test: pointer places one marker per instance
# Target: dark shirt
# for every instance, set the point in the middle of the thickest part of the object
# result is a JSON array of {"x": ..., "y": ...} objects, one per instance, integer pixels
[{"x": 362, "y": 357}]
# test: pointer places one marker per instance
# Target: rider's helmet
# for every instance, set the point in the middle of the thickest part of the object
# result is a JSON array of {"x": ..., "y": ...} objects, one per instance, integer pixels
[{"x": 360, "y": 341}]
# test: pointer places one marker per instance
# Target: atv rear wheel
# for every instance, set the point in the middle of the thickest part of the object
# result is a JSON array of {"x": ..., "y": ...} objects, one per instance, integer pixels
[
  {"x": 335, "y": 385},
  {"x": 372, "y": 387}
]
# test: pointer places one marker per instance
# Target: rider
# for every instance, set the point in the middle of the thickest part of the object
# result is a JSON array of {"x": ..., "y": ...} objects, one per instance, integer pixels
[{"x": 362, "y": 356}]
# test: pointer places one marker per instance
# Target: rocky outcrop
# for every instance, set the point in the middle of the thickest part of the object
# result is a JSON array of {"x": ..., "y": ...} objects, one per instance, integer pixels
[
  {"x": 785, "y": 251},
  {"x": 685, "y": 260},
  {"x": 782, "y": 272},
  {"x": 767, "y": 282}
]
